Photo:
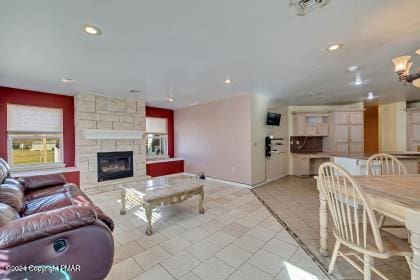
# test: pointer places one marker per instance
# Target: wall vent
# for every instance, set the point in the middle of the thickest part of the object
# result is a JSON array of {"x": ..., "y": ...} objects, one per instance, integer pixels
[{"x": 305, "y": 6}]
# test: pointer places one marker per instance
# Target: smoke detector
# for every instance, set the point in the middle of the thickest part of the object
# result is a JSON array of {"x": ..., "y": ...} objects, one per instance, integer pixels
[{"x": 305, "y": 6}]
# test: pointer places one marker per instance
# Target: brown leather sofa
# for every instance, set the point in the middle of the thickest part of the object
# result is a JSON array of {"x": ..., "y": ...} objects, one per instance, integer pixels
[{"x": 49, "y": 229}]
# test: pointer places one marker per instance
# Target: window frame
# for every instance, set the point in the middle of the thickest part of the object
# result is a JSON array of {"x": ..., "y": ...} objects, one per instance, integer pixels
[{"x": 28, "y": 167}]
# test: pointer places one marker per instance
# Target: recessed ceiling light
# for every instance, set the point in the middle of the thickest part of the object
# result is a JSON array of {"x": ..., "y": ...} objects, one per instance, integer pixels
[
  {"x": 370, "y": 96},
  {"x": 358, "y": 82},
  {"x": 352, "y": 68},
  {"x": 228, "y": 81},
  {"x": 90, "y": 29},
  {"x": 135, "y": 91},
  {"x": 170, "y": 99},
  {"x": 334, "y": 47},
  {"x": 67, "y": 80}
]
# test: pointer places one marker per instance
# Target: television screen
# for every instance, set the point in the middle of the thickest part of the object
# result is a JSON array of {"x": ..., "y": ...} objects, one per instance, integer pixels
[{"x": 273, "y": 119}]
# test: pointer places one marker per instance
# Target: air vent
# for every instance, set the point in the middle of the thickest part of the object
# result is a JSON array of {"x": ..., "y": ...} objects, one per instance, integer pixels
[
  {"x": 305, "y": 6},
  {"x": 314, "y": 94}
]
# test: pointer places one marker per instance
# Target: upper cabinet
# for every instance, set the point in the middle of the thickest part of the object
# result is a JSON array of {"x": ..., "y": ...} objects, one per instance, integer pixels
[
  {"x": 346, "y": 132},
  {"x": 413, "y": 130},
  {"x": 310, "y": 124}
]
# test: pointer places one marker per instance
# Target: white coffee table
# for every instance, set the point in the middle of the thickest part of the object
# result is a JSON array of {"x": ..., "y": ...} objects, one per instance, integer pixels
[{"x": 153, "y": 193}]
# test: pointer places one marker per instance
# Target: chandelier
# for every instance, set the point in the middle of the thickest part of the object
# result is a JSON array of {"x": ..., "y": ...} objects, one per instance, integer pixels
[{"x": 402, "y": 68}]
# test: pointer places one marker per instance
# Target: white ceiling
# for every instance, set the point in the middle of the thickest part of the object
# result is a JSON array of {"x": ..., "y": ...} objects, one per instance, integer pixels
[{"x": 186, "y": 48}]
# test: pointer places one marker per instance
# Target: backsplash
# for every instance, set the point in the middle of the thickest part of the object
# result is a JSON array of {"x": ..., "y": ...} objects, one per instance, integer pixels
[{"x": 305, "y": 144}]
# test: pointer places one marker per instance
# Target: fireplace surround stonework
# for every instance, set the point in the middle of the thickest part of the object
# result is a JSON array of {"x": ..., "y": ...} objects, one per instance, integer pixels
[{"x": 106, "y": 113}]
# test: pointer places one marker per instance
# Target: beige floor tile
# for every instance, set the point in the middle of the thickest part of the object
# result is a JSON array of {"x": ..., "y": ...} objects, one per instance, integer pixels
[
  {"x": 233, "y": 256},
  {"x": 236, "y": 229},
  {"x": 203, "y": 250},
  {"x": 196, "y": 234},
  {"x": 151, "y": 257},
  {"x": 150, "y": 241},
  {"x": 172, "y": 231},
  {"x": 213, "y": 269},
  {"x": 126, "y": 250},
  {"x": 180, "y": 264},
  {"x": 280, "y": 248},
  {"x": 190, "y": 223},
  {"x": 250, "y": 272},
  {"x": 221, "y": 239},
  {"x": 189, "y": 276},
  {"x": 267, "y": 262},
  {"x": 126, "y": 269},
  {"x": 262, "y": 233},
  {"x": 212, "y": 226},
  {"x": 156, "y": 273},
  {"x": 249, "y": 243},
  {"x": 129, "y": 235},
  {"x": 175, "y": 245}
]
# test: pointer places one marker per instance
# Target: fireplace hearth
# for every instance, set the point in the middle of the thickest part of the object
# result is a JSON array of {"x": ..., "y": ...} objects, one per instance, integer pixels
[{"x": 115, "y": 165}]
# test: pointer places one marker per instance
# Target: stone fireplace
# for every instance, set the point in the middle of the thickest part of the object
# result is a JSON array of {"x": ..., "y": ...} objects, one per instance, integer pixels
[{"x": 106, "y": 125}]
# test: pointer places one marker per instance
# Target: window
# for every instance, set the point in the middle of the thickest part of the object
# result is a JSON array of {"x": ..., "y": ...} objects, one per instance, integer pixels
[
  {"x": 157, "y": 138},
  {"x": 35, "y": 137}
]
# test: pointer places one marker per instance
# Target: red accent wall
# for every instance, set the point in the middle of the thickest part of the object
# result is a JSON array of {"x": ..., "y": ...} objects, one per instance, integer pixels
[
  {"x": 169, "y": 115},
  {"x": 33, "y": 98},
  {"x": 73, "y": 177},
  {"x": 165, "y": 168}
]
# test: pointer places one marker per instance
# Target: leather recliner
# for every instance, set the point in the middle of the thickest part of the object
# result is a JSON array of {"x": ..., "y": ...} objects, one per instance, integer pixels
[{"x": 49, "y": 229}]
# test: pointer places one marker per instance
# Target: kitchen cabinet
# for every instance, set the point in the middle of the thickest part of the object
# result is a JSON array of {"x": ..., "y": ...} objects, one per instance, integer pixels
[
  {"x": 310, "y": 124},
  {"x": 346, "y": 132},
  {"x": 413, "y": 129}
]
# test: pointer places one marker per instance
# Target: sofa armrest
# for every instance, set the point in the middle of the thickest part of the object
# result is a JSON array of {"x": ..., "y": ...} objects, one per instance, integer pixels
[{"x": 45, "y": 224}]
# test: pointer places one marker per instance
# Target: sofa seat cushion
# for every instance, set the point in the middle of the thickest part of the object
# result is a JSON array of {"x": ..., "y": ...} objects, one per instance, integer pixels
[{"x": 44, "y": 192}]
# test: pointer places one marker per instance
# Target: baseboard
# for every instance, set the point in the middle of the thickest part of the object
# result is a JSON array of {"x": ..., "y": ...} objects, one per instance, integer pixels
[
  {"x": 222, "y": 181},
  {"x": 269, "y": 180}
]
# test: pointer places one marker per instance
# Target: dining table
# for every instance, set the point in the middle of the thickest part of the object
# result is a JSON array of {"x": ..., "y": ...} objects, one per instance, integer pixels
[{"x": 397, "y": 197}]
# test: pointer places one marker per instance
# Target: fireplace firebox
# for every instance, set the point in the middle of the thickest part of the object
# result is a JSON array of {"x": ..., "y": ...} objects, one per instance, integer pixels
[{"x": 115, "y": 165}]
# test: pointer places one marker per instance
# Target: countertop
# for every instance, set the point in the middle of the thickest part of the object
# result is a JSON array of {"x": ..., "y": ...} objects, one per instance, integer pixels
[{"x": 399, "y": 155}]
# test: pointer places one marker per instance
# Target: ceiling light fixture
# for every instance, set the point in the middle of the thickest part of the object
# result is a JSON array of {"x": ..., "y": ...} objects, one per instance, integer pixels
[
  {"x": 91, "y": 30},
  {"x": 228, "y": 81},
  {"x": 402, "y": 66},
  {"x": 370, "y": 96},
  {"x": 170, "y": 99},
  {"x": 334, "y": 47},
  {"x": 353, "y": 68},
  {"x": 67, "y": 80}
]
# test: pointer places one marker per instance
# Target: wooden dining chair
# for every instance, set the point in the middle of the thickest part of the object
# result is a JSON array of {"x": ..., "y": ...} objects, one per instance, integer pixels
[
  {"x": 355, "y": 226},
  {"x": 385, "y": 165}
]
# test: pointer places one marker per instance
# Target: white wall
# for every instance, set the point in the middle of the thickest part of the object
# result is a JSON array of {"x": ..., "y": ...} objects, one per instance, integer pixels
[{"x": 215, "y": 138}]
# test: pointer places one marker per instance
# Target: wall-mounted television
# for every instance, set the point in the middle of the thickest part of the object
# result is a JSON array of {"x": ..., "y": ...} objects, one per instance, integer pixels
[{"x": 273, "y": 119}]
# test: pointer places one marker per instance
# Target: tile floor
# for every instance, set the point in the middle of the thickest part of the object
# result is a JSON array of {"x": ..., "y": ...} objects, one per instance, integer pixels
[
  {"x": 296, "y": 203},
  {"x": 236, "y": 238}
]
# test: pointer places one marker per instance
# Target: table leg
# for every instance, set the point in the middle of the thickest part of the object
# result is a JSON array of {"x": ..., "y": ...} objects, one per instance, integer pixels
[
  {"x": 123, "y": 193},
  {"x": 200, "y": 202},
  {"x": 148, "y": 210},
  {"x": 412, "y": 223},
  {"x": 323, "y": 225}
]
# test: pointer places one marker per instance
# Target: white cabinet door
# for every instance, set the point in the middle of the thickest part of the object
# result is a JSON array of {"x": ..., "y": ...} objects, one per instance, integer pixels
[
  {"x": 356, "y": 118},
  {"x": 414, "y": 117},
  {"x": 356, "y": 148},
  {"x": 415, "y": 132},
  {"x": 356, "y": 133},
  {"x": 341, "y": 133},
  {"x": 341, "y": 148},
  {"x": 341, "y": 117}
]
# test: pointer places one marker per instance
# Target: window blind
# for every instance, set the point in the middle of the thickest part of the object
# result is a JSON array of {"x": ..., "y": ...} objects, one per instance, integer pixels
[
  {"x": 21, "y": 118},
  {"x": 156, "y": 125}
]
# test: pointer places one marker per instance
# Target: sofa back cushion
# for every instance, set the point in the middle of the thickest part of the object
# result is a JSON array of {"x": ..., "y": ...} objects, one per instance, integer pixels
[
  {"x": 7, "y": 214},
  {"x": 4, "y": 170},
  {"x": 42, "y": 181},
  {"x": 12, "y": 196}
]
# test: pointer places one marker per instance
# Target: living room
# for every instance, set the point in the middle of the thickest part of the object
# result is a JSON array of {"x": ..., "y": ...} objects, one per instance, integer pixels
[{"x": 210, "y": 140}]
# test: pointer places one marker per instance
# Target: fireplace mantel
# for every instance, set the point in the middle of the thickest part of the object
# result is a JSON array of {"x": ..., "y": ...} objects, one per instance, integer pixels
[{"x": 102, "y": 134}]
